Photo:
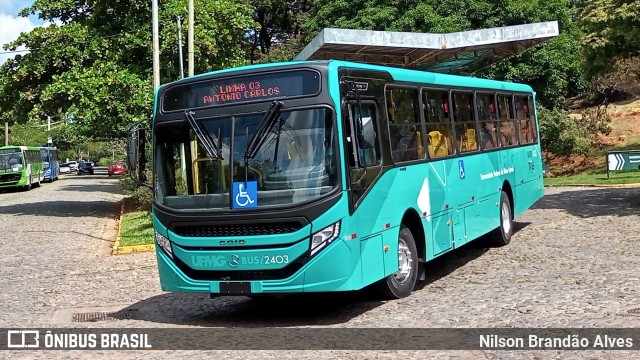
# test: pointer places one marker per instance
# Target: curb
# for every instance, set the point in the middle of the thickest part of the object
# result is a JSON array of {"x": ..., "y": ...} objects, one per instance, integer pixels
[
  {"x": 633, "y": 185},
  {"x": 120, "y": 250}
]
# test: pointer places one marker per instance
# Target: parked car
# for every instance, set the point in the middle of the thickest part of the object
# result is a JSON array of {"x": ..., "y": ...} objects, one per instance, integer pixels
[
  {"x": 117, "y": 168},
  {"x": 73, "y": 165},
  {"x": 65, "y": 169},
  {"x": 85, "y": 168}
]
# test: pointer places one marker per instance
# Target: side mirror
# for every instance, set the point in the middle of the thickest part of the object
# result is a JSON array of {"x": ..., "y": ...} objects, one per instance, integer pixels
[
  {"x": 136, "y": 153},
  {"x": 368, "y": 133},
  {"x": 132, "y": 149}
]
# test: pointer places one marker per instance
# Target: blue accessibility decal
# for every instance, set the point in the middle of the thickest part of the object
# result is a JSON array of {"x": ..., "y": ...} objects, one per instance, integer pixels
[
  {"x": 245, "y": 194},
  {"x": 461, "y": 167}
]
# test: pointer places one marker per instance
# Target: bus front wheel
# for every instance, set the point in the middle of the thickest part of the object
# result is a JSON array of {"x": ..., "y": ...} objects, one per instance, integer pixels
[
  {"x": 502, "y": 235},
  {"x": 401, "y": 283}
]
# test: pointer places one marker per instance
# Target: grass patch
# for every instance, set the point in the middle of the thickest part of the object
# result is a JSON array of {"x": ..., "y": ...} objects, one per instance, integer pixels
[
  {"x": 596, "y": 177},
  {"x": 136, "y": 228}
]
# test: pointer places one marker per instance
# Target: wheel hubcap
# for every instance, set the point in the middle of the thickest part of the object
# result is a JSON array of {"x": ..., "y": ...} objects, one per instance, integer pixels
[
  {"x": 506, "y": 217},
  {"x": 405, "y": 263}
]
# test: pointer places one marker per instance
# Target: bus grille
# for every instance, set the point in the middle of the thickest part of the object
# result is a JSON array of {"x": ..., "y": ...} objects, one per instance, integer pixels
[
  {"x": 241, "y": 275},
  {"x": 253, "y": 229},
  {"x": 10, "y": 177}
]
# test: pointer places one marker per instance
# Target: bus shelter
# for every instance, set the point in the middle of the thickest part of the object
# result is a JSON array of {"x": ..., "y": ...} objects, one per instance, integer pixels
[{"x": 454, "y": 53}]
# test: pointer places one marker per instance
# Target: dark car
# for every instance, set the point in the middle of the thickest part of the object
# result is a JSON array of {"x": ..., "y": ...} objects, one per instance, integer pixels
[{"x": 85, "y": 168}]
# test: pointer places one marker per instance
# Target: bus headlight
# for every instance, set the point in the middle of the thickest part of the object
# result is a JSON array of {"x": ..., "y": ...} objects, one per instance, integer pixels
[
  {"x": 324, "y": 237},
  {"x": 164, "y": 243}
]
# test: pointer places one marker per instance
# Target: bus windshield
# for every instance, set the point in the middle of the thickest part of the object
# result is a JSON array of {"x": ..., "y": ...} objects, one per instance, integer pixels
[
  {"x": 11, "y": 161},
  {"x": 297, "y": 161}
]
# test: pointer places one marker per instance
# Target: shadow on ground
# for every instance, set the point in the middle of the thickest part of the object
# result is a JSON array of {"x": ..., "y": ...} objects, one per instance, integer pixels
[
  {"x": 293, "y": 310},
  {"x": 64, "y": 208},
  {"x": 592, "y": 202}
]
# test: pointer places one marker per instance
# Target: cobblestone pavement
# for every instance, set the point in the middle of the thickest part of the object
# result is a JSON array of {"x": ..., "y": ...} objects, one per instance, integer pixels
[{"x": 573, "y": 262}]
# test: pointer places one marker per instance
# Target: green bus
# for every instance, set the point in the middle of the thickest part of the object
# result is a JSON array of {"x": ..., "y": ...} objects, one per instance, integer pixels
[
  {"x": 20, "y": 167},
  {"x": 332, "y": 175}
]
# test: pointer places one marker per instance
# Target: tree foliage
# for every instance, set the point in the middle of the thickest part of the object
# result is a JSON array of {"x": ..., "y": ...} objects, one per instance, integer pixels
[
  {"x": 624, "y": 76},
  {"x": 611, "y": 31},
  {"x": 96, "y": 64}
]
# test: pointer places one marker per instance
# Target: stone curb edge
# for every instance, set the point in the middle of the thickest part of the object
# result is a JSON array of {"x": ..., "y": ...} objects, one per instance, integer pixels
[{"x": 120, "y": 250}]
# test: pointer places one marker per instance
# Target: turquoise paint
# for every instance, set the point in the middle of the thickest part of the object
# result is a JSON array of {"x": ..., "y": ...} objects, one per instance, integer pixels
[{"x": 457, "y": 208}]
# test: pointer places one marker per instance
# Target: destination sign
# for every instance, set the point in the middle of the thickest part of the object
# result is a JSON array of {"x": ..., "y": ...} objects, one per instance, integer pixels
[
  {"x": 241, "y": 89},
  {"x": 10, "y": 150}
]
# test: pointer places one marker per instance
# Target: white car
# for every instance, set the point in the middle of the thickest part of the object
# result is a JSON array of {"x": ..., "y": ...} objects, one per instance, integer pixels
[
  {"x": 65, "y": 169},
  {"x": 73, "y": 165}
]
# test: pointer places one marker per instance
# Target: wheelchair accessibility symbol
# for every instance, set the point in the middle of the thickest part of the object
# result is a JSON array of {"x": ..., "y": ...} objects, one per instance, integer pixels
[
  {"x": 461, "y": 167},
  {"x": 245, "y": 194}
]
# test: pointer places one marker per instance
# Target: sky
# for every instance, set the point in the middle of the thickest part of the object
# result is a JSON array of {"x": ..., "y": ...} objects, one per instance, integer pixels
[{"x": 11, "y": 25}]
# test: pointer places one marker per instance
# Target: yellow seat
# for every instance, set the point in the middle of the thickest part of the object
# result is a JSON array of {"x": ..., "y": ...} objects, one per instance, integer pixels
[
  {"x": 438, "y": 145},
  {"x": 472, "y": 143}
]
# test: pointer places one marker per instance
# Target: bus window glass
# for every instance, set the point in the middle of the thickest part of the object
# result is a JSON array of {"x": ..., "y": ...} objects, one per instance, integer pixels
[
  {"x": 488, "y": 120},
  {"x": 296, "y": 163},
  {"x": 368, "y": 156},
  {"x": 507, "y": 121},
  {"x": 405, "y": 129},
  {"x": 523, "y": 115},
  {"x": 436, "y": 114},
  {"x": 464, "y": 122},
  {"x": 533, "y": 130}
]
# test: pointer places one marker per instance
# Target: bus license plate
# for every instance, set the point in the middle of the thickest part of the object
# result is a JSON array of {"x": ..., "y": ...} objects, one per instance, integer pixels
[{"x": 235, "y": 287}]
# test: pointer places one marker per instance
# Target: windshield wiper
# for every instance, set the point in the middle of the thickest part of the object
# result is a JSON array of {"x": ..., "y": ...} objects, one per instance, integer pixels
[
  {"x": 204, "y": 137},
  {"x": 258, "y": 139}
]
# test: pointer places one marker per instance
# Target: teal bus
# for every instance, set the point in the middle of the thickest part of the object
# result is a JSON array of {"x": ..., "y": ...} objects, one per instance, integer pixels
[
  {"x": 332, "y": 175},
  {"x": 50, "y": 162},
  {"x": 20, "y": 167}
]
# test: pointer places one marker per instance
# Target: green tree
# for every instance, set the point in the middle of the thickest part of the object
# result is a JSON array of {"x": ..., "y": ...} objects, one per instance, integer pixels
[
  {"x": 28, "y": 134},
  {"x": 97, "y": 65},
  {"x": 611, "y": 30}
]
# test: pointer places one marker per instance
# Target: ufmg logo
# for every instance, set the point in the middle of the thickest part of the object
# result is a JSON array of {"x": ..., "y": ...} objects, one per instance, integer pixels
[{"x": 206, "y": 261}]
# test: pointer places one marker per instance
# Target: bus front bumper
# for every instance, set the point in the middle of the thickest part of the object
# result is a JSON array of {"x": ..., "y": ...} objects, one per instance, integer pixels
[{"x": 330, "y": 270}]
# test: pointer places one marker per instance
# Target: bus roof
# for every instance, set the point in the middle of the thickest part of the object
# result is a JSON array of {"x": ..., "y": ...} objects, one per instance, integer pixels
[
  {"x": 21, "y": 147},
  {"x": 397, "y": 73},
  {"x": 439, "y": 79}
]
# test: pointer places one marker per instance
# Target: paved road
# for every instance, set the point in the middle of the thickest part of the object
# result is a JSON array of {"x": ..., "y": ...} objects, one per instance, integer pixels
[{"x": 572, "y": 263}]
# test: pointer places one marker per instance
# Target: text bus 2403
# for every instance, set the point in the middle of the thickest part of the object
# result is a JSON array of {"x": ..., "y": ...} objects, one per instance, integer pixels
[{"x": 332, "y": 176}]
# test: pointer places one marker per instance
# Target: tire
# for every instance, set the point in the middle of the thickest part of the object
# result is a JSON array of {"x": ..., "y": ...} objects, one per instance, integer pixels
[
  {"x": 401, "y": 283},
  {"x": 502, "y": 235}
]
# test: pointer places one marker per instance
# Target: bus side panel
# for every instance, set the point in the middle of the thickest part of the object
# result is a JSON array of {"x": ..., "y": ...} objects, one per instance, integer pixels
[{"x": 529, "y": 187}]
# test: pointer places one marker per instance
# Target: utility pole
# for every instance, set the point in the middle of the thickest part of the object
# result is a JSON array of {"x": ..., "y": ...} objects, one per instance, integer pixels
[
  {"x": 190, "y": 39},
  {"x": 156, "y": 45},
  {"x": 6, "y": 133},
  {"x": 180, "y": 48},
  {"x": 49, "y": 141}
]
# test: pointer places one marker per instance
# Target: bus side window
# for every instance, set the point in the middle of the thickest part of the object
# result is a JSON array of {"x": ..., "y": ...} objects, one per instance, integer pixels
[
  {"x": 526, "y": 122},
  {"x": 438, "y": 124},
  {"x": 367, "y": 156},
  {"x": 405, "y": 127},
  {"x": 533, "y": 130},
  {"x": 508, "y": 135},
  {"x": 464, "y": 120},
  {"x": 488, "y": 121}
]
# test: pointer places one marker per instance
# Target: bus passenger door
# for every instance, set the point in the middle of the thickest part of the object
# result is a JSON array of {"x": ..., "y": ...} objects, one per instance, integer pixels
[{"x": 438, "y": 211}]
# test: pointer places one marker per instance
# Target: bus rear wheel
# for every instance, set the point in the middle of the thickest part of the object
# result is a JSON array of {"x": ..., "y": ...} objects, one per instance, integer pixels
[
  {"x": 401, "y": 283},
  {"x": 502, "y": 235}
]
